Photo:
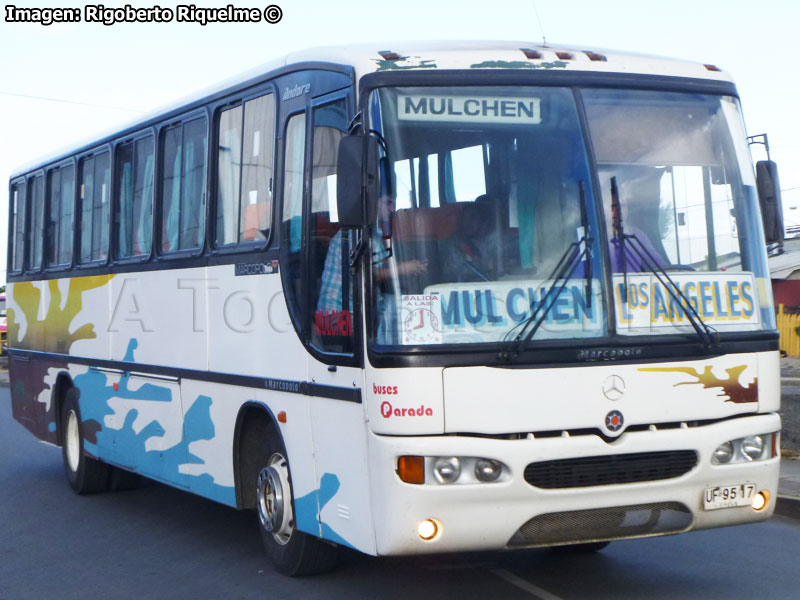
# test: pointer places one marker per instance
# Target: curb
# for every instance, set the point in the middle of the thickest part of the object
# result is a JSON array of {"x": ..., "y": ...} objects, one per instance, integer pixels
[{"x": 788, "y": 506}]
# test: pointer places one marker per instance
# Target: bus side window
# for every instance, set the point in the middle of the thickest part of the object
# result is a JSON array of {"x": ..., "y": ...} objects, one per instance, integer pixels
[
  {"x": 94, "y": 197},
  {"x": 36, "y": 189},
  {"x": 256, "y": 199},
  {"x": 331, "y": 285},
  {"x": 134, "y": 177},
  {"x": 244, "y": 170},
  {"x": 18, "y": 251},
  {"x": 61, "y": 201},
  {"x": 229, "y": 174},
  {"x": 292, "y": 227},
  {"x": 183, "y": 186}
]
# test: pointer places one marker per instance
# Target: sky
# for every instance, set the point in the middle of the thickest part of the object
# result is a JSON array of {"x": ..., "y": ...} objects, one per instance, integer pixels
[{"x": 96, "y": 77}]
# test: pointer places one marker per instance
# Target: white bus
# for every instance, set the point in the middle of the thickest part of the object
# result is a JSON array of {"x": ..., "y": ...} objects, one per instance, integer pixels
[{"x": 429, "y": 298}]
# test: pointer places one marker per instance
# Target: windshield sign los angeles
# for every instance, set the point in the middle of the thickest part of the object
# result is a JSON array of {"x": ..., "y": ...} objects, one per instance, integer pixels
[{"x": 473, "y": 109}]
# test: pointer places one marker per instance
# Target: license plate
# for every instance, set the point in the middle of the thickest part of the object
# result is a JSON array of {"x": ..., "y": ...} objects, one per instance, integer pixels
[{"x": 729, "y": 496}]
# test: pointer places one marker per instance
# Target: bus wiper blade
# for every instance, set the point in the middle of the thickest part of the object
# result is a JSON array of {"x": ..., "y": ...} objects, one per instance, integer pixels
[
  {"x": 566, "y": 266},
  {"x": 707, "y": 334},
  {"x": 587, "y": 265},
  {"x": 630, "y": 242}
]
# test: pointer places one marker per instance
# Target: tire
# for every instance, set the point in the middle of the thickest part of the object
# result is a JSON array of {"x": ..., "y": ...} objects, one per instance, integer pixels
[
  {"x": 120, "y": 480},
  {"x": 84, "y": 474},
  {"x": 292, "y": 552}
]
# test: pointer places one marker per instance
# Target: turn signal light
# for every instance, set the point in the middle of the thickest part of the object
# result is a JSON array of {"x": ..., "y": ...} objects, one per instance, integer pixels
[{"x": 411, "y": 469}]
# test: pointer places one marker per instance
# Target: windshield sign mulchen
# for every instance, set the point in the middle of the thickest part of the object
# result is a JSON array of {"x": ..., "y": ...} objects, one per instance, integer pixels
[
  {"x": 466, "y": 109},
  {"x": 486, "y": 230}
]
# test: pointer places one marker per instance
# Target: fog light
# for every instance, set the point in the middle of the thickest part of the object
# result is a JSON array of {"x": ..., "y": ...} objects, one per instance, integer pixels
[
  {"x": 487, "y": 470},
  {"x": 760, "y": 500},
  {"x": 447, "y": 470},
  {"x": 428, "y": 529},
  {"x": 753, "y": 447},
  {"x": 723, "y": 453}
]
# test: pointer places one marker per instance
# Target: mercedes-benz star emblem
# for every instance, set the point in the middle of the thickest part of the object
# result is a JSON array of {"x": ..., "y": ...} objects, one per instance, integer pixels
[
  {"x": 614, "y": 421},
  {"x": 613, "y": 387}
]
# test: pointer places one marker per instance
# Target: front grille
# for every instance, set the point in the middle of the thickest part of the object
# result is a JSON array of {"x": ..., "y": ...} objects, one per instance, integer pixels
[
  {"x": 580, "y": 526},
  {"x": 610, "y": 469}
]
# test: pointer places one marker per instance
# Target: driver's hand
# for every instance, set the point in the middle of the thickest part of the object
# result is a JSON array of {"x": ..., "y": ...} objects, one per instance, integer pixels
[{"x": 412, "y": 267}]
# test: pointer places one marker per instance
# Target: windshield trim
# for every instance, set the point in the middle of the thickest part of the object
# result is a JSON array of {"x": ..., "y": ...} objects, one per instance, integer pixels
[
  {"x": 602, "y": 350},
  {"x": 519, "y": 77}
]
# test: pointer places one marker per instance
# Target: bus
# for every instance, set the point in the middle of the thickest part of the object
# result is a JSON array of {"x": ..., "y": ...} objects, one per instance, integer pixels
[{"x": 432, "y": 298}]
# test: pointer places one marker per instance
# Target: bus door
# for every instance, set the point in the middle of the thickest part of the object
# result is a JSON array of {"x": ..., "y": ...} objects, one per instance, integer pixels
[{"x": 328, "y": 296}]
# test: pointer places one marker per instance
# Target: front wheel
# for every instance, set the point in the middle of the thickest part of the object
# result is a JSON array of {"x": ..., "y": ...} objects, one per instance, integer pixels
[
  {"x": 84, "y": 474},
  {"x": 292, "y": 552}
]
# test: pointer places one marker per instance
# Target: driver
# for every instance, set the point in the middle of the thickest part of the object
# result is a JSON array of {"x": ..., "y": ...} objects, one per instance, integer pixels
[
  {"x": 470, "y": 254},
  {"x": 330, "y": 295}
]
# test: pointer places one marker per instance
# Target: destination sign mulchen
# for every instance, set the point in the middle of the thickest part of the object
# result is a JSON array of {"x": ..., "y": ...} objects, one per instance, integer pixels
[{"x": 473, "y": 109}]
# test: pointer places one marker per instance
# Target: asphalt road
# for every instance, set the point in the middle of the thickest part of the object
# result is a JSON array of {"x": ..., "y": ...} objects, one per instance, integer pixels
[{"x": 157, "y": 542}]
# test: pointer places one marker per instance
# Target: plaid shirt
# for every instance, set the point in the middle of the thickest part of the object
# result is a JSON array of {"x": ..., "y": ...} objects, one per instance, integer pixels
[{"x": 330, "y": 293}]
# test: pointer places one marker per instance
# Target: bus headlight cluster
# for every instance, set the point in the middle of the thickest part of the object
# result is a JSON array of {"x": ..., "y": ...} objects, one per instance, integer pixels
[
  {"x": 446, "y": 470},
  {"x": 747, "y": 449}
]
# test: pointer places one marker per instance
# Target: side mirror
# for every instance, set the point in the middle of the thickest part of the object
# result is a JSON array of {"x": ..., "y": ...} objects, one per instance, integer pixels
[
  {"x": 769, "y": 197},
  {"x": 357, "y": 179}
]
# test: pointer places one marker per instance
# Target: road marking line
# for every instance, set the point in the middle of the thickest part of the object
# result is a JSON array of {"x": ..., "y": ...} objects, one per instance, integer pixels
[{"x": 522, "y": 584}]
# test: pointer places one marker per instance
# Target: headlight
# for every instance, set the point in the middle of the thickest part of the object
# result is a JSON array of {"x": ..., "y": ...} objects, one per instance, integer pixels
[
  {"x": 747, "y": 449},
  {"x": 753, "y": 447},
  {"x": 447, "y": 470},
  {"x": 723, "y": 453},
  {"x": 487, "y": 470}
]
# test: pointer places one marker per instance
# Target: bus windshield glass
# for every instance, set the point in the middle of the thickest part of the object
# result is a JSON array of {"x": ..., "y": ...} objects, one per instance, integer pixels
[
  {"x": 687, "y": 205},
  {"x": 484, "y": 229}
]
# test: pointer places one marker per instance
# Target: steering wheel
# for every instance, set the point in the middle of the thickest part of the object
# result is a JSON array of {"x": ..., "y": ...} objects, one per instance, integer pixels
[{"x": 680, "y": 268}]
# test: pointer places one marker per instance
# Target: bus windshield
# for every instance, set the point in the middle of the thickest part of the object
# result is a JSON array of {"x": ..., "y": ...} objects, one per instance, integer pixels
[
  {"x": 688, "y": 206},
  {"x": 486, "y": 194},
  {"x": 486, "y": 221}
]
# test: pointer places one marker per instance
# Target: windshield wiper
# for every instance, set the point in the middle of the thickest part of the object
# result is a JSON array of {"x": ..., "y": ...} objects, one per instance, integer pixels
[
  {"x": 566, "y": 266},
  {"x": 630, "y": 242}
]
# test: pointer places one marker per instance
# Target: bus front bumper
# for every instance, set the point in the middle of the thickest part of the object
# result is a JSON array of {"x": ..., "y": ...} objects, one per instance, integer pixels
[{"x": 513, "y": 513}]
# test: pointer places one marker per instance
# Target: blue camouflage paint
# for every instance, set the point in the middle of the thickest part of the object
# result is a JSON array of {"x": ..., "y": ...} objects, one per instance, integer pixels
[
  {"x": 126, "y": 447},
  {"x": 308, "y": 517}
]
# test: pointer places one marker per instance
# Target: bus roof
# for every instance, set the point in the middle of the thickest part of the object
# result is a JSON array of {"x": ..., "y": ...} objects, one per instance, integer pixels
[
  {"x": 410, "y": 56},
  {"x": 521, "y": 55}
]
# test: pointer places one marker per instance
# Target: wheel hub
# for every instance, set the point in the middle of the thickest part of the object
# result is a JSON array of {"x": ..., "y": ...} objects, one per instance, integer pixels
[
  {"x": 274, "y": 499},
  {"x": 73, "y": 441}
]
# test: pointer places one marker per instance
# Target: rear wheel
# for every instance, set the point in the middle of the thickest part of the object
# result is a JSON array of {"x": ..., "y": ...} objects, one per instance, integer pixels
[
  {"x": 85, "y": 475},
  {"x": 290, "y": 550}
]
